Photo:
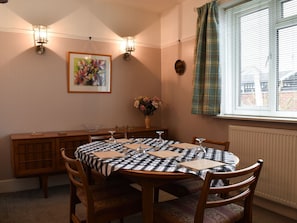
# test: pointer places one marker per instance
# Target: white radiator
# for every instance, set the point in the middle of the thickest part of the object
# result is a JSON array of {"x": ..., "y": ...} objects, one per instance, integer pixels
[{"x": 278, "y": 149}]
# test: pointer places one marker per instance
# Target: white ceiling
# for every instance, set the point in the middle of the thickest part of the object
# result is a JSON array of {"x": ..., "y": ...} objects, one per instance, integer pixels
[
  {"x": 155, "y": 6},
  {"x": 47, "y": 11},
  {"x": 123, "y": 17}
]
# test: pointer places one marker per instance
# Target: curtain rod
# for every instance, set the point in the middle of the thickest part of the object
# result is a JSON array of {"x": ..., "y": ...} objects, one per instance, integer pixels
[
  {"x": 195, "y": 8},
  {"x": 227, "y": 3}
]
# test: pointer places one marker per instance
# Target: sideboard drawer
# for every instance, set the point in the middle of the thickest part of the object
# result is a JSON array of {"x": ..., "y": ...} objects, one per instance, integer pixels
[{"x": 32, "y": 157}]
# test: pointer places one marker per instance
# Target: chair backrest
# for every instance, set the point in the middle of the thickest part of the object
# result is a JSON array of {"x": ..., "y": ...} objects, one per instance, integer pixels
[
  {"x": 93, "y": 138},
  {"x": 241, "y": 187},
  {"x": 218, "y": 144},
  {"x": 78, "y": 179},
  {"x": 98, "y": 138}
]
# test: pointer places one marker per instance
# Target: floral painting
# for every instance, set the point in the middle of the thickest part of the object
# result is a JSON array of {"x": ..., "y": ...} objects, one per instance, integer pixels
[{"x": 89, "y": 73}]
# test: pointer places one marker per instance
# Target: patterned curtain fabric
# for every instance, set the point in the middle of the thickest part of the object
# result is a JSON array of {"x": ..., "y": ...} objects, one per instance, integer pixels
[{"x": 207, "y": 90}]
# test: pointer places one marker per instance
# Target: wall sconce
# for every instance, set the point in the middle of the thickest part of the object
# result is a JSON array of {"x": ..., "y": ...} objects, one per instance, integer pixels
[
  {"x": 129, "y": 46},
  {"x": 40, "y": 38},
  {"x": 3, "y": 1}
]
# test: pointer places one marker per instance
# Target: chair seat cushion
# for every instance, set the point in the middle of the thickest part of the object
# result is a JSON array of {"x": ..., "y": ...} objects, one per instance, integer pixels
[
  {"x": 182, "y": 210},
  {"x": 110, "y": 197},
  {"x": 183, "y": 187}
]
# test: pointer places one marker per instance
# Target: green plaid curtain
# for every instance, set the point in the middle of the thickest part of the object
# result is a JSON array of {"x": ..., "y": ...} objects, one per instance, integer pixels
[{"x": 207, "y": 90}]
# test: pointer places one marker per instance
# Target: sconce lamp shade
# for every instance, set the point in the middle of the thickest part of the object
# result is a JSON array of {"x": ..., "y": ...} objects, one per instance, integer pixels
[
  {"x": 40, "y": 34},
  {"x": 129, "y": 47},
  {"x": 40, "y": 38}
]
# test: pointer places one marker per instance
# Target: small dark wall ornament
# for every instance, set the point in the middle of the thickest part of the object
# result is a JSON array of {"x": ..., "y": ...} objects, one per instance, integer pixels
[{"x": 180, "y": 67}]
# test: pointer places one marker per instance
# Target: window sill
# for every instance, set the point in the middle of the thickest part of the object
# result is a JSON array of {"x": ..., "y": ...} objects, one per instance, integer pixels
[{"x": 258, "y": 118}]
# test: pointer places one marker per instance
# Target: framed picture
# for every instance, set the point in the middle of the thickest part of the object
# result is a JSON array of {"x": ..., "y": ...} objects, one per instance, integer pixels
[{"x": 89, "y": 73}]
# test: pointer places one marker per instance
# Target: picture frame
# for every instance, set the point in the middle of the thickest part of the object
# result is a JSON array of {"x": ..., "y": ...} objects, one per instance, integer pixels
[{"x": 89, "y": 73}]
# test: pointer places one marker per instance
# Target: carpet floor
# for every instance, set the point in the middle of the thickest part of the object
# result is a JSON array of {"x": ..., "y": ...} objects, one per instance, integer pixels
[{"x": 30, "y": 207}]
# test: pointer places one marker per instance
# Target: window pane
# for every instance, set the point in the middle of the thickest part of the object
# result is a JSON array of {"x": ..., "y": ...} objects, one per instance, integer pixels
[
  {"x": 254, "y": 45},
  {"x": 287, "y": 69},
  {"x": 289, "y": 8}
]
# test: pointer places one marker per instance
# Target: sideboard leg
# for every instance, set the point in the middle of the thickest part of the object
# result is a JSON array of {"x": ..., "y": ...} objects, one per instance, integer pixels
[{"x": 43, "y": 182}]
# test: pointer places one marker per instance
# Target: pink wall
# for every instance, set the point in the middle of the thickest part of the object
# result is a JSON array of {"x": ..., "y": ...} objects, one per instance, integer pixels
[{"x": 34, "y": 97}]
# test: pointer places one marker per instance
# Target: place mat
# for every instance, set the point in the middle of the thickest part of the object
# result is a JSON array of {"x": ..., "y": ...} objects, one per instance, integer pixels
[
  {"x": 201, "y": 164},
  {"x": 164, "y": 154},
  {"x": 110, "y": 141},
  {"x": 184, "y": 145},
  {"x": 108, "y": 154},
  {"x": 136, "y": 146}
]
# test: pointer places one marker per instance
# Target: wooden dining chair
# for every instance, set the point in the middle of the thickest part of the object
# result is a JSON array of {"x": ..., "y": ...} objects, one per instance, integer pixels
[
  {"x": 208, "y": 207},
  {"x": 93, "y": 138},
  {"x": 95, "y": 176},
  {"x": 191, "y": 185},
  {"x": 103, "y": 202},
  {"x": 223, "y": 145}
]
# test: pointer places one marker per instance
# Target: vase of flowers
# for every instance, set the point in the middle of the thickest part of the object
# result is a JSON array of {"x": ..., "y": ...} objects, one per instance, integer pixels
[{"x": 147, "y": 105}]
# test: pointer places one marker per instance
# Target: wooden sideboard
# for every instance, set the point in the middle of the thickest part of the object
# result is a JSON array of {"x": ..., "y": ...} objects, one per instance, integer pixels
[{"x": 38, "y": 154}]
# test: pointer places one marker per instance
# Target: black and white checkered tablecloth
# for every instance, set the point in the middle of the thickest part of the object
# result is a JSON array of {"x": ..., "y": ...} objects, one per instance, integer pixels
[{"x": 134, "y": 160}]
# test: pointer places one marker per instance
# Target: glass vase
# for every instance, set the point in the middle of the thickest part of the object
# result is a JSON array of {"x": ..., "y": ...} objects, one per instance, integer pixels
[{"x": 147, "y": 121}]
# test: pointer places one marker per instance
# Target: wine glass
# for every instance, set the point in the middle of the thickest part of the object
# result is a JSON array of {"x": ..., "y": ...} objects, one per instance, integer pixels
[
  {"x": 160, "y": 140},
  {"x": 139, "y": 149},
  {"x": 112, "y": 139},
  {"x": 200, "y": 148}
]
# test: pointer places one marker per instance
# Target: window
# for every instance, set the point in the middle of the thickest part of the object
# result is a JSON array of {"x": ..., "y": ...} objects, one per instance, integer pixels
[{"x": 260, "y": 59}]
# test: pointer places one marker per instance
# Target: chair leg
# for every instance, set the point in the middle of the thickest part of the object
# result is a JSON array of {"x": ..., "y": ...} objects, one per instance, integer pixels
[{"x": 72, "y": 207}]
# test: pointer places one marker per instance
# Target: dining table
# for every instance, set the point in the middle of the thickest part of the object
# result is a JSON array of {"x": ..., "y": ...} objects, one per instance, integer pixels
[{"x": 152, "y": 162}]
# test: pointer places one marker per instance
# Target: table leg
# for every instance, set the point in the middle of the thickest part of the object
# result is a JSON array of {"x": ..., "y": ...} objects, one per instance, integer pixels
[
  {"x": 43, "y": 182},
  {"x": 147, "y": 201}
]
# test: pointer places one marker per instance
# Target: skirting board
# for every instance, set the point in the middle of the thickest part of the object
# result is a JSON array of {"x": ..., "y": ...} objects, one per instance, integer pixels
[
  {"x": 275, "y": 207},
  {"x": 21, "y": 184}
]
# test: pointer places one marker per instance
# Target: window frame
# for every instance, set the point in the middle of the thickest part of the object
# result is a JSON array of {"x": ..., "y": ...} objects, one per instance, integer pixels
[{"x": 231, "y": 83}]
